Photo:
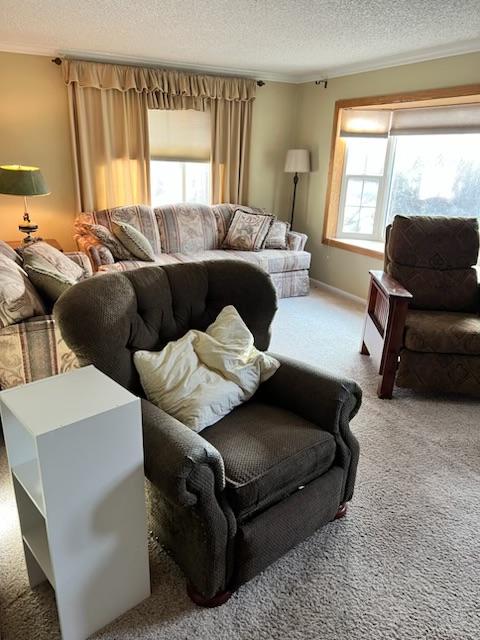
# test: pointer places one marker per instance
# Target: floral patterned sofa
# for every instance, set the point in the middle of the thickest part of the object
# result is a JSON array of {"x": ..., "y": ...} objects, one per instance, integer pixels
[
  {"x": 193, "y": 233},
  {"x": 34, "y": 348}
]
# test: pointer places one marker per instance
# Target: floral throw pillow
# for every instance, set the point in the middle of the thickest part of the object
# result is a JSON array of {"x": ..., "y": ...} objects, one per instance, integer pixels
[
  {"x": 247, "y": 231},
  {"x": 277, "y": 236},
  {"x": 55, "y": 258},
  {"x": 106, "y": 238}
]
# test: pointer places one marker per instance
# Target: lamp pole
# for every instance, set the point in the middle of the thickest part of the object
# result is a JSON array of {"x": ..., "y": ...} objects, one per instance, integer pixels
[{"x": 295, "y": 182}]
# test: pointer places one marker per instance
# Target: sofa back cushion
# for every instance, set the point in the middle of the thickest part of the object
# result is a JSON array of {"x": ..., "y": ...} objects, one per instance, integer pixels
[
  {"x": 192, "y": 228},
  {"x": 139, "y": 216},
  {"x": 433, "y": 258}
]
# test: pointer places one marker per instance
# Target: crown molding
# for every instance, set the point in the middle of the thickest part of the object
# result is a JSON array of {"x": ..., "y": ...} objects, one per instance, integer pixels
[
  {"x": 97, "y": 56},
  {"x": 424, "y": 55}
]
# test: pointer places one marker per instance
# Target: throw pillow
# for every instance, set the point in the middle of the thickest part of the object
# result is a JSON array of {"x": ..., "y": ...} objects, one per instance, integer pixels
[
  {"x": 247, "y": 231},
  {"x": 106, "y": 238},
  {"x": 8, "y": 252},
  {"x": 203, "y": 376},
  {"x": 277, "y": 236},
  {"x": 54, "y": 257},
  {"x": 47, "y": 278},
  {"x": 18, "y": 298},
  {"x": 133, "y": 240}
]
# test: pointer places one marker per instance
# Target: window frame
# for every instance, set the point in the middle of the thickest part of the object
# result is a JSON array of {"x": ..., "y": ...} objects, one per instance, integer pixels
[{"x": 434, "y": 97}]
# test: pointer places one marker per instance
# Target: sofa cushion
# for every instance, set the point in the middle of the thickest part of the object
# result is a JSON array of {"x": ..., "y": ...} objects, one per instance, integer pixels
[
  {"x": 270, "y": 260},
  {"x": 191, "y": 228},
  {"x": 442, "y": 332},
  {"x": 268, "y": 454},
  {"x": 438, "y": 289},
  {"x": 139, "y": 216},
  {"x": 433, "y": 242},
  {"x": 277, "y": 236},
  {"x": 128, "y": 265},
  {"x": 8, "y": 252}
]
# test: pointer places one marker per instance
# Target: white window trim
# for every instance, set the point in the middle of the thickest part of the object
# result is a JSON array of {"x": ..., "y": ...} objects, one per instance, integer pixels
[{"x": 383, "y": 197}]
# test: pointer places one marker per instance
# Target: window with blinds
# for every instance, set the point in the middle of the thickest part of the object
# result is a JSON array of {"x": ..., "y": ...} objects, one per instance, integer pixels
[
  {"x": 179, "y": 156},
  {"x": 411, "y": 161}
]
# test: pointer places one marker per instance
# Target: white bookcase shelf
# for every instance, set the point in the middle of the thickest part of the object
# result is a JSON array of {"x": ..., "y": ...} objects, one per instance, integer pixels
[{"x": 74, "y": 446}]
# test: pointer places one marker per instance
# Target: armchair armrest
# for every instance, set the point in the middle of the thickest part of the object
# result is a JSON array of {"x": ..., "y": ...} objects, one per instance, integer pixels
[
  {"x": 173, "y": 452},
  {"x": 384, "y": 324},
  {"x": 82, "y": 260},
  {"x": 296, "y": 241},
  {"x": 327, "y": 400}
]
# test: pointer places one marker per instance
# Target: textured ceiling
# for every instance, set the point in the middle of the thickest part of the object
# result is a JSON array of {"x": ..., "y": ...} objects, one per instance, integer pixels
[{"x": 293, "y": 40}]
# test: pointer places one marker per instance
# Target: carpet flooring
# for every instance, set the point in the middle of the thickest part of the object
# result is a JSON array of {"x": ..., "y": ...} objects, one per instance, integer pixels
[{"x": 403, "y": 564}]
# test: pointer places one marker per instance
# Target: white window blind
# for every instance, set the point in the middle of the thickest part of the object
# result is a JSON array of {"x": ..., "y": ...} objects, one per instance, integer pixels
[
  {"x": 357, "y": 123},
  {"x": 430, "y": 120},
  {"x": 182, "y": 136}
]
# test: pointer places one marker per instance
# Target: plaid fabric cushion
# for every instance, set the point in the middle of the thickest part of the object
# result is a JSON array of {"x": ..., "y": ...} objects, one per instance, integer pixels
[{"x": 32, "y": 350}]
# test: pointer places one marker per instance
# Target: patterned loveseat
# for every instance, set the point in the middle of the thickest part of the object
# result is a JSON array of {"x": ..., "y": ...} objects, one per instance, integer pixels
[
  {"x": 194, "y": 233},
  {"x": 34, "y": 349}
]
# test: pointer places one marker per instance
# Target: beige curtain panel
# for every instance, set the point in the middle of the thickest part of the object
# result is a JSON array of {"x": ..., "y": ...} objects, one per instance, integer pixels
[{"x": 108, "y": 110}]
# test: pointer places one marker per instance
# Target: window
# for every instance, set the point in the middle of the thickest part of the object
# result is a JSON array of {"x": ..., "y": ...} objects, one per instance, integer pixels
[
  {"x": 410, "y": 155},
  {"x": 408, "y": 174},
  {"x": 179, "y": 156},
  {"x": 173, "y": 182}
]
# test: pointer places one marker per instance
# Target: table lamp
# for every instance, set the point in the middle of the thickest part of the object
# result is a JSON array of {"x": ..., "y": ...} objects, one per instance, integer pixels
[
  {"x": 17, "y": 180},
  {"x": 297, "y": 161}
]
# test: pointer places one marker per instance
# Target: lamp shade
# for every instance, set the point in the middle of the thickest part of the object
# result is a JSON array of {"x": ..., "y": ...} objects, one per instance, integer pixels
[
  {"x": 297, "y": 161},
  {"x": 17, "y": 180}
]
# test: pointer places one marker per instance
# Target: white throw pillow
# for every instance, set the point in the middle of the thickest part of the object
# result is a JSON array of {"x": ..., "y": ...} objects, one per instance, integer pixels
[{"x": 203, "y": 376}]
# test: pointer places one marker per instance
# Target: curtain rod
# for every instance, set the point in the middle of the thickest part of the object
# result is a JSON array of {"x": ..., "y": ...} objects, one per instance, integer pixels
[{"x": 58, "y": 61}]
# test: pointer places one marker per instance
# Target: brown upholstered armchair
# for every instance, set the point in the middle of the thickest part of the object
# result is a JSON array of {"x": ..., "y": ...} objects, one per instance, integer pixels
[
  {"x": 422, "y": 321},
  {"x": 232, "y": 499}
]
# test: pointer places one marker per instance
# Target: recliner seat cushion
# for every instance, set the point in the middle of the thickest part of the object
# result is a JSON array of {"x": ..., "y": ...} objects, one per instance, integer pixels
[
  {"x": 268, "y": 454},
  {"x": 442, "y": 332}
]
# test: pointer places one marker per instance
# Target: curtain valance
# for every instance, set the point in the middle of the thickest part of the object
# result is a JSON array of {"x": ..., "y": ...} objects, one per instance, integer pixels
[{"x": 148, "y": 80}]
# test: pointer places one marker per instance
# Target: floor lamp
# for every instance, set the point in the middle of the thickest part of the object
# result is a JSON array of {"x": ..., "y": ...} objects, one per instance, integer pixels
[{"x": 297, "y": 161}]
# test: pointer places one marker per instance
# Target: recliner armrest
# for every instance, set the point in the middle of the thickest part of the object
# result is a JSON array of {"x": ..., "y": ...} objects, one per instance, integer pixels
[
  {"x": 324, "y": 399},
  {"x": 173, "y": 452}
]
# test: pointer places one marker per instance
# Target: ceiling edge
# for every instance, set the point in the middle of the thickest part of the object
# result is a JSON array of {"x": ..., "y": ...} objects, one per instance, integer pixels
[{"x": 424, "y": 55}]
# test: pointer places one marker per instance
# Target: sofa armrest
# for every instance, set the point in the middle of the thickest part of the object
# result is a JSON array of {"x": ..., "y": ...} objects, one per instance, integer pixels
[
  {"x": 82, "y": 260},
  {"x": 296, "y": 241},
  {"x": 174, "y": 454},
  {"x": 97, "y": 252},
  {"x": 32, "y": 350},
  {"x": 322, "y": 398}
]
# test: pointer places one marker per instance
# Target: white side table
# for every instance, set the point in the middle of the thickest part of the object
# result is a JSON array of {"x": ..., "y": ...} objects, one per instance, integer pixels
[{"x": 74, "y": 446}]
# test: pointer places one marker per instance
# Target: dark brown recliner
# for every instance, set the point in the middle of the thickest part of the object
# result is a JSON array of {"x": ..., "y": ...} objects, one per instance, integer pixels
[
  {"x": 232, "y": 499},
  {"x": 423, "y": 310}
]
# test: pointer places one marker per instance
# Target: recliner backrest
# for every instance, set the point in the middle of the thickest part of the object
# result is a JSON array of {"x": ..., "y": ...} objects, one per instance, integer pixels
[
  {"x": 433, "y": 258},
  {"x": 105, "y": 319}
]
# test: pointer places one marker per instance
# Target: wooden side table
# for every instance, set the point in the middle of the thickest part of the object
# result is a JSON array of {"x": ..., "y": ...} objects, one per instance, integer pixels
[
  {"x": 74, "y": 446},
  {"x": 15, "y": 244}
]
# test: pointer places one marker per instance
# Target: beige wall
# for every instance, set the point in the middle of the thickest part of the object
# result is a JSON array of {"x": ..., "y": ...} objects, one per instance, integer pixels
[
  {"x": 339, "y": 268},
  {"x": 34, "y": 131},
  {"x": 272, "y": 135}
]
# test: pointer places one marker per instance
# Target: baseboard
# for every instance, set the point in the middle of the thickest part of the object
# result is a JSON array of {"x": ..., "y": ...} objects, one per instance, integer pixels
[{"x": 318, "y": 284}]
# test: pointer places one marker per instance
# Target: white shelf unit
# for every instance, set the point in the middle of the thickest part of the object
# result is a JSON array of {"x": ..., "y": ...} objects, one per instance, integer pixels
[{"x": 74, "y": 446}]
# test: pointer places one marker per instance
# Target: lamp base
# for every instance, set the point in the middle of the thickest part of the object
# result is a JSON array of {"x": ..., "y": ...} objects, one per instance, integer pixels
[{"x": 28, "y": 229}]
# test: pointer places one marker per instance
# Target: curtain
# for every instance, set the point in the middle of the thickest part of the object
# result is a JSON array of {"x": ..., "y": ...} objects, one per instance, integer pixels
[
  {"x": 109, "y": 120},
  {"x": 231, "y": 124}
]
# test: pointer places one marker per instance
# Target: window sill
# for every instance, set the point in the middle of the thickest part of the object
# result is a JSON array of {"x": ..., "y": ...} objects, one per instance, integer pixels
[{"x": 364, "y": 247}]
